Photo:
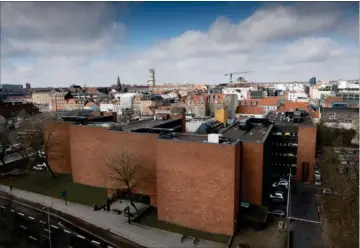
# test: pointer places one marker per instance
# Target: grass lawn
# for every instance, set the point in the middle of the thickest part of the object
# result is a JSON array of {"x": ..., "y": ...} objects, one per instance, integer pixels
[
  {"x": 43, "y": 183},
  {"x": 150, "y": 219}
]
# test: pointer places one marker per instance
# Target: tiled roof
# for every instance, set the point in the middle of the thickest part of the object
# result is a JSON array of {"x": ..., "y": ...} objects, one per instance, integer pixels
[
  {"x": 291, "y": 106},
  {"x": 249, "y": 110},
  {"x": 269, "y": 101}
]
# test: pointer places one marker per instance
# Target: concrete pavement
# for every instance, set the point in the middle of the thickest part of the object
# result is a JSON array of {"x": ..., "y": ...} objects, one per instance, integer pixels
[{"x": 117, "y": 224}]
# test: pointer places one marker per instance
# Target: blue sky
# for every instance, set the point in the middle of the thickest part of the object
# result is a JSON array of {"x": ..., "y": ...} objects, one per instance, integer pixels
[{"x": 48, "y": 44}]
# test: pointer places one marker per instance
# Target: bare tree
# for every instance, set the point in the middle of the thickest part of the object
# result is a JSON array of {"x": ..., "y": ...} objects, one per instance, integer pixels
[
  {"x": 39, "y": 140},
  {"x": 4, "y": 142},
  {"x": 126, "y": 170}
]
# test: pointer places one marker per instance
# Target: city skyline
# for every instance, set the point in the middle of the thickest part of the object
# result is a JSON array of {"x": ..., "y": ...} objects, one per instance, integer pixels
[{"x": 58, "y": 44}]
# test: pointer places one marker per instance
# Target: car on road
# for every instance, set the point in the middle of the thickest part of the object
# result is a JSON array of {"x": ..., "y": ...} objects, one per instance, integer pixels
[
  {"x": 317, "y": 183},
  {"x": 317, "y": 174}
]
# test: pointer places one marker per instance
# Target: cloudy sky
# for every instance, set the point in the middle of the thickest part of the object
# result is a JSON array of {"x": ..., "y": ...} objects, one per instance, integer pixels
[{"x": 63, "y": 43}]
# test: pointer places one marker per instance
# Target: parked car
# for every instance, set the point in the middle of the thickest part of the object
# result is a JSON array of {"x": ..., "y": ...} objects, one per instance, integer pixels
[
  {"x": 327, "y": 191},
  {"x": 277, "y": 194},
  {"x": 277, "y": 212},
  {"x": 284, "y": 184},
  {"x": 40, "y": 167}
]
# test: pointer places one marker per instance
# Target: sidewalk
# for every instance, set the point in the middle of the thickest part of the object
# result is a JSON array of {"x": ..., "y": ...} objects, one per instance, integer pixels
[{"x": 117, "y": 224}]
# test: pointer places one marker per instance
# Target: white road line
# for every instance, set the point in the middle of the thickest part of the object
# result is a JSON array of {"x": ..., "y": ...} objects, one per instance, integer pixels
[
  {"x": 31, "y": 237},
  {"x": 45, "y": 236},
  {"x": 79, "y": 236},
  {"x": 60, "y": 224},
  {"x": 55, "y": 227},
  {"x": 24, "y": 227},
  {"x": 42, "y": 222},
  {"x": 21, "y": 214},
  {"x": 31, "y": 218},
  {"x": 67, "y": 231},
  {"x": 3, "y": 207},
  {"x": 109, "y": 246},
  {"x": 12, "y": 210},
  {"x": 95, "y": 242}
]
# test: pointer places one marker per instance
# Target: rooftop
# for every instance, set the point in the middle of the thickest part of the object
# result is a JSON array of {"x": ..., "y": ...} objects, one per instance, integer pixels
[
  {"x": 279, "y": 119},
  {"x": 351, "y": 110},
  {"x": 257, "y": 133}
]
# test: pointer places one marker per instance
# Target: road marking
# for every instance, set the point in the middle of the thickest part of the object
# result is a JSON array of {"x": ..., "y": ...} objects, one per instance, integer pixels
[
  {"x": 31, "y": 218},
  {"x": 60, "y": 224},
  {"x": 55, "y": 227},
  {"x": 45, "y": 236},
  {"x": 95, "y": 242},
  {"x": 67, "y": 231},
  {"x": 79, "y": 236},
  {"x": 47, "y": 230},
  {"x": 109, "y": 246},
  {"x": 21, "y": 214},
  {"x": 3, "y": 207},
  {"x": 31, "y": 237},
  {"x": 24, "y": 227},
  {"x": 42, "y": 222},
  {"x": 310, "y": 221},
  {"x": 12, "y": 210}
]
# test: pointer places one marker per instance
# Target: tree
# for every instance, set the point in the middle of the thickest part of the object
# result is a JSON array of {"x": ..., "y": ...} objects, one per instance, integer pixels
[
  {"x": 4, "y": 141},
  {"x": 126, "y": 170},
  {"x": 39, "y": 139}
]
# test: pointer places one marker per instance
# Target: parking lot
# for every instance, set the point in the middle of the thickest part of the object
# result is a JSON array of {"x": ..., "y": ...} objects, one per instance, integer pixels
[{"x": 348, "y": 161}]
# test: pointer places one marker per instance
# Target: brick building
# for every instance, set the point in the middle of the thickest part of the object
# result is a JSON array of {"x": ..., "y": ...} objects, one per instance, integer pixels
[{"x": 198, "y": 180}]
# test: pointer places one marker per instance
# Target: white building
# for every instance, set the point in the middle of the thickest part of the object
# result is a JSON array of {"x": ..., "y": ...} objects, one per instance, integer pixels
[
  {"x": 297, "y": 96},
  {"x": 241, "y": 92}
]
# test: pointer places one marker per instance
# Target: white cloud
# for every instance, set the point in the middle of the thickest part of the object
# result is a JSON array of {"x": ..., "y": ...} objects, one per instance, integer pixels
[{"x": 278, "y": 43}]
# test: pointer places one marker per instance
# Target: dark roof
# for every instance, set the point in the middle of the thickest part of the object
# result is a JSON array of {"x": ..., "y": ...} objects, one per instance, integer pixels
[
  {"x": 348, "y": 110},
  {"x": 279, "y": 119}
]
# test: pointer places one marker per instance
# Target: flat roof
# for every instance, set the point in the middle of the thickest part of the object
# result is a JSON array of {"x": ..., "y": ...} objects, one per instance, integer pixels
[
  {"x": 186, "y": 137},
  {"x": 257, "y": 133},
  {"x": 279, "y": 119},
  {"x": 149, "y": 123}
]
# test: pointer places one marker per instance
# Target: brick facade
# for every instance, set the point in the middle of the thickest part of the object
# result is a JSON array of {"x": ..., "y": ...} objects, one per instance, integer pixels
[
  {"x": 252, "y": 172},
  {"x": 198, "y": 185},
  {"x": 306, "y": 153}
]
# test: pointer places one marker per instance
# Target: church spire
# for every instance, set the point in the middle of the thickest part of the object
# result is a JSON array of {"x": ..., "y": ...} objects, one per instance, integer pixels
[{"x": 118, "y": 83}]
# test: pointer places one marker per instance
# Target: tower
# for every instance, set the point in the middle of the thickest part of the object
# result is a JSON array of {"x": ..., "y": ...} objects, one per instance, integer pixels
[
  {"x": 118, "y": 84},
  {"x": 151, "y": 78}
]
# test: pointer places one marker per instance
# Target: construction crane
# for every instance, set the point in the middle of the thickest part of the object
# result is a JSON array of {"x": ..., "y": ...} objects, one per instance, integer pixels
[{"x": 235, "y": 73}]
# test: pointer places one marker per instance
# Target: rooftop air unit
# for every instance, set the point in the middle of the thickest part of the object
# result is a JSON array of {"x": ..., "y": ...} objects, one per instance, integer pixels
[{"x": 214, "y": 138}]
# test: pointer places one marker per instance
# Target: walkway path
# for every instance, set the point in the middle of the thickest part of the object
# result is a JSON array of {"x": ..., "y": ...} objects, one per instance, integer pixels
[{"x": 117, "y": 224}]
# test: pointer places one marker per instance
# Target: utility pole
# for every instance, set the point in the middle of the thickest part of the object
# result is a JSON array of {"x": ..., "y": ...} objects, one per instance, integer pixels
[{"x": 49, "y": 225}]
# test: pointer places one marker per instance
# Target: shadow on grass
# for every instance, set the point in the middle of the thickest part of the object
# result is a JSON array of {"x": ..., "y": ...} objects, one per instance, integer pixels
[
  {"x": 42, "y": 183},
  {"x": 149, "y": 218}
]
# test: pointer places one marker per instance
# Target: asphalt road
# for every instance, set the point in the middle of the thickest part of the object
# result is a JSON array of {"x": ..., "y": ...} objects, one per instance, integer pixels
[
  {"x": 303, "y": 206},
  {"x": 32, "y": 228}
]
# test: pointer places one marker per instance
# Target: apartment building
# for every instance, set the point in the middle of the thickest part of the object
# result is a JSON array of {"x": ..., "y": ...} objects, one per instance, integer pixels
[
  {"x": 41, "y": 97},
  {"x": 198, "y": 105},
  {"x": 58, "y": 101},
  {"x": 269, "y": 103}
]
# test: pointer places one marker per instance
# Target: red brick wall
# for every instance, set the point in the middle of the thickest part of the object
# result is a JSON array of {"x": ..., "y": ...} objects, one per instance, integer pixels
[
  {"x": 252, "y": 172},
  {"x": 306, "y": 151},
  {"x": 59, "y": 152},
  {"x": 196, "y": 185},
  {"x": 91, "y": 146}
]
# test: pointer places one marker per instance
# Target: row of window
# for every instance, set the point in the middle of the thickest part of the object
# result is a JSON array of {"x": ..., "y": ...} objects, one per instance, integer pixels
[
  {"x": 283, "y": 165},
  {"x": 284, "y": 134},
  {"x": 284, "y": 154},
  {"x": 284, "y": 144}
]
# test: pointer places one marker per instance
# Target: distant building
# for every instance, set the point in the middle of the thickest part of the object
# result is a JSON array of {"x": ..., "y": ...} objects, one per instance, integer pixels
[
  {"x": 27, "y": 86},
  {"x": 41, "y": 97}
]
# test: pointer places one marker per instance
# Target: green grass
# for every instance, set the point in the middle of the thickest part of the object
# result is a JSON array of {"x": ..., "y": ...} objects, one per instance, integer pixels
[
  {"x": 43, "y": 183},
  {"x": 150, "y": 219}
]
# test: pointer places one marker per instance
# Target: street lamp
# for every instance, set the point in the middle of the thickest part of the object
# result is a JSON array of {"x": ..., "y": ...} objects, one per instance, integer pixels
[{"x": 49, "y": 225}]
